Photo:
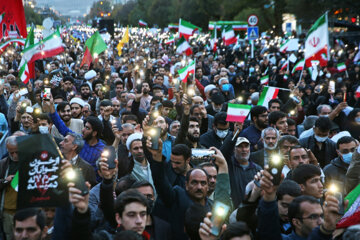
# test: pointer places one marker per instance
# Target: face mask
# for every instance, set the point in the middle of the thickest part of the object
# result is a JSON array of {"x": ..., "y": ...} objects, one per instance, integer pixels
[
  {"x": 357, "y": 119},
  {"x": 328, "y": 75},
  {"x": 347, "y": 157},
  {"x": 320, "y": 139},
  {"x": 248, "y": 102},
  {"x": 326, "y": 115},
  {"x": 251, "y": 69},
  {"x": 221, "y": 133},
  {"x": 43, "y": 129}
]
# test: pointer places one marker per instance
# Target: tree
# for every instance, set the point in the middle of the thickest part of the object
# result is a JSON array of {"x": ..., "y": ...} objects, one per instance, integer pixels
[{"x": 31, "y": 16}]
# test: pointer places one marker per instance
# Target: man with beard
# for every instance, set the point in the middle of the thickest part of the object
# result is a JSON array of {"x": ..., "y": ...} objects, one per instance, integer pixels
[
  {"x": 241, "y": 170},
  {"x": 119, "y": 89},
  {"x": 85, "y": 92},
  {"x": 270, "y": 136},
  {"x": 75, "y": 125},
  {"x": 259, "y": 118},
  {"x": 217, "y": 135},
  {"x": 76, "y": 105},
  {"x": 141, "y": 170},
  {"x": 116, "y": 108},
  {"x": 145, "y": 98},
  {"x": 217, "y": 104},
  {"x": 189, "y": 132}
]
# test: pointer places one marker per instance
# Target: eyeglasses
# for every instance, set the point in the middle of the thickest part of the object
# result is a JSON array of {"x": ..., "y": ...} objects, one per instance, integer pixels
[{"x": 313, "y": 217}]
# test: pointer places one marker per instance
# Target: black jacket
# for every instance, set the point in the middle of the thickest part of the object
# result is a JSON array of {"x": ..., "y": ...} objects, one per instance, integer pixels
[
  {"x": 330, "y": 149},
  {"x": 336, "y": 170},
  {"x": 210, "y": 139}
]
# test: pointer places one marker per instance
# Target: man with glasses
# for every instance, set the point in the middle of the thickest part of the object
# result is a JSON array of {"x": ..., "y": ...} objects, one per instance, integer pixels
[{"x": 308, "y": 218}]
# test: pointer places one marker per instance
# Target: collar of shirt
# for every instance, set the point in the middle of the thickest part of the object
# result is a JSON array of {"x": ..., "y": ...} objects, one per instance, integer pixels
[{"x": 74, "y": 160}]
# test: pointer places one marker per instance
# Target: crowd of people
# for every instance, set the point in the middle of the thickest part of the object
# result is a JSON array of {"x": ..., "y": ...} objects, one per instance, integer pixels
[{"x": 165, "y": 187}]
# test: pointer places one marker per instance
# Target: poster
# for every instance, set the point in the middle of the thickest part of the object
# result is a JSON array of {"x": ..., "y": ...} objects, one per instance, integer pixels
[{"x": 40, "y": 184}]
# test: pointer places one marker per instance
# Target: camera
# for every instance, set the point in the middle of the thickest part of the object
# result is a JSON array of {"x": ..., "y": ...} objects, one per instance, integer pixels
[{"x": 275, "y": 167}]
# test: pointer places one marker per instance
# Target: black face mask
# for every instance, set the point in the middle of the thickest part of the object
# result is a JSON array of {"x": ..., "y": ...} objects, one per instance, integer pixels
[{"x": 150, "y": 206}]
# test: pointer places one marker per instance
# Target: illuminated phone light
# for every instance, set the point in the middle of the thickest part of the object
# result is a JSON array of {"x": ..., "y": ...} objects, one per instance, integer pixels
[
  {"x": 70, "y": 175},
  {"x": 105, "y": 153},
  {"x": 23, "y": 104},
  {"x": 292, "y": 112},
  {"x": 275, "y": 159},
  {"x": 152, "y": 132},
  {"x": 191, "y": 92},
  {"x": 333, "y": 188},
  {"x": 220, "y": 211},
  {"x": 156, "y": 114},
  {"x": 240, "y": 99}
]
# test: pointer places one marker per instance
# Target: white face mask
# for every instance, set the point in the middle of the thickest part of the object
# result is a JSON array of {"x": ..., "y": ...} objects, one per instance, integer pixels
[
  {"x": 221, "y": 133},
  {"x": 43, "y": 129},
  {"x": 320, "y": 139},
  {"x": 328, "y": 75}
]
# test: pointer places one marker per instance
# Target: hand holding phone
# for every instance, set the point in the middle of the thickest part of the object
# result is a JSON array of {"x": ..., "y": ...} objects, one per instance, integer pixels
[
  {"x": 275, "y": 167},
  {"x": 110, "y": 154},
  {"x": 154, "y": 133},
  {"x": 75, "y": 176},
  {"x": 219, "y": 214}
]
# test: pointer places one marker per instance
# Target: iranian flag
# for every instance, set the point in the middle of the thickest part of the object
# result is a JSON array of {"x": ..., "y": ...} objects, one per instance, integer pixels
[
  {"x": 24, "y": 73},
  {"x": 213, "y": 41},
  {"x": 183, "y": 46},
  {"x": 352, "y": 213},
  {"x": 187, "y": 29},
  {"x": 9, "y": 42},
  {"x": 298, "y": 67},
  {"x": 237, "y": 112},
  {"x": 357, "y": 92},
  {"x": 267, "y": 94},
  {"x": 186, "y": 71},
  {"x": 264, "y": 80},
  {"x": 229, "y": 36},
  {"x": 289, "y": 45},
  {"x": 341, "y": 67},
  {"x": 173, "y": 26},
  {"x": 93, "y": 47},
  {"x": 48, "y": 47},
  {"x": 171, "y": 40},
  {"x": 142, "y": 23},
  {"x": 317, "y": 42},
  {"x": 15, "y": 182},
  {"x": 285, "y": 64},
  {"x": 286, "y": 77}
]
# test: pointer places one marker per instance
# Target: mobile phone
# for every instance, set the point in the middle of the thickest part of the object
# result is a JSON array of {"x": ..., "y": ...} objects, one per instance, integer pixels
[
  {"x": 335, "y": 189},
  {"x": 139, "y": 88},
  {"x": 154, "y": 133},
  {"x": 110, "y": 154},
  {"x": 199, "y": 156},
  {"x": 176, "y": 84},
  {"x": 154, "y": 113},
  {"x": 275, "y": 167},
  {"x": 47, "y": 93},
  {"x": 332, "y": 86},
  {"x": 75, "y": 176},
  {"x": 219, "y": 214},
  {"x": 23, "y": 92}
]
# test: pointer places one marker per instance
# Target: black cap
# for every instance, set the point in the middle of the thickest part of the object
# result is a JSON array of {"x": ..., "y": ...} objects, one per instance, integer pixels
[{"x": 217, "y": 98}]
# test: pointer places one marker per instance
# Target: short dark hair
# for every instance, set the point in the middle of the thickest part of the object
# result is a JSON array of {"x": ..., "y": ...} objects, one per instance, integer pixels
[
  {"x": 275, "y": 100},
  {"x": 45, "y": 116},
  {"x": 304, "y": 172},
  {"x": 256, "y": 111},
  {"x": 236, "y": 229},
  {"x": 127, "y": 197},
  {"x": 142, "y": 183},
  {"x": 105, "y": 103},
  {"x": 220, "y": 118},
  {"x": 323, "y": 124},
  {"x": 119, "y": 82},
  {"x": 288, "y": 138},
  {"x": 294, "y": 208},
  {"x": 96, "y": 125},
  {"x": 85, "y": 85},
  {"x": 68, "y": 79},
  {"x": 59, "y": 97},
  {"x": 188, "y": 173},
  {"x": 181, "y": 150},
  {"x": 288, "y": 187},
  {"x": 193, "y": 107},
  {"x": 275, "y": 116},
  {"x": 290, "y": 122},
  {"x": 293, "y": 148},
  {"x": 343, "y": 140},
  {"x": 168, "y": 103},
  {"x": 26, "y": 213},
  {"x": 156, "y": 98},
  {"x": 194, "y": 215},
  {"x": 61, "y": 106},
  {"x": 130, "y": 117},
  {"x": 194, "y": 119}
]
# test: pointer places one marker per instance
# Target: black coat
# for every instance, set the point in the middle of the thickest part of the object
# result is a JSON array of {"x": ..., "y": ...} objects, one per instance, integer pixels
[
  {"x": 210, "y": 139},
  {"x": 336, "y": 170}
]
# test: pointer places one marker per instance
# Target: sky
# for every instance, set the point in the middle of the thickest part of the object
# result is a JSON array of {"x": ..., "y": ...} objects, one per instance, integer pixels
[{"x": 68, "y": 7}]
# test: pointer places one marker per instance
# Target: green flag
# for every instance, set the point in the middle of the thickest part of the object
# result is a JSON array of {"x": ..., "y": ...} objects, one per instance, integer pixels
[
  {"x": 15, "y": 182},
  {"x": 96, "y": 44}
]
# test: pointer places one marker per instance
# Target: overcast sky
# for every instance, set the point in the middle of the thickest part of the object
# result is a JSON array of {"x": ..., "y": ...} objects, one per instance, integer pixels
[{"x": 68, "y": 7}]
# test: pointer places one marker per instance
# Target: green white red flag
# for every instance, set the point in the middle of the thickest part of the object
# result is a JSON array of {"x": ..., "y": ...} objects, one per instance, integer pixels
[
  {"x": 142, "y": 23},
  {"x": 48, "y": 47},
  {"x": 341, "y": 67},
  {"x": 229, "y": 36},
  {"x": 352, "y": 213},
  {"x": 289, "y": 45},
  {"x": 95, "y": 45},
  {"x": 182, "y": 46},
  {"x": 298, "y": 66},
  {"x": 187, "y": 29},
  {"x": 24, "y": 73},
  {"x": 27, "y": 70},
  {"x": 237, "y": 112},
  {"x": 186, "y": 71},
  {"x": 267, "y": 94},
  {"x": 213, "y": 41},
  {"x": 264, "y": 80},
  {"x": 171, "y": 40},
  {"x": 9, "y": 42},
  {"x": 317, "y": 42},
  {"x": 357, "y": 92},
  {"x": 15, "y": 182},
  {"x": 285, "y": 64}
]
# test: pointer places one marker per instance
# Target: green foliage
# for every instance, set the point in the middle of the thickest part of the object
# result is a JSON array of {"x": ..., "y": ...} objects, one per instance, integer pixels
[
  {"x": 103, "y": 6},
  {"x": 32, "y": 17}
]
